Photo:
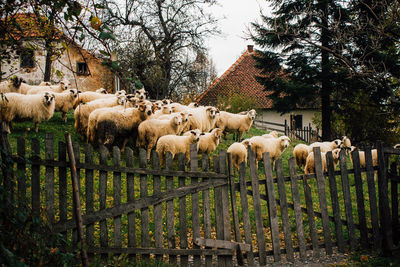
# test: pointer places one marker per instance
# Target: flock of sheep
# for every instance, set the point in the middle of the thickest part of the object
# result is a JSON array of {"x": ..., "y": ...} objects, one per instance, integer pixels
[{"x": 114, "y": 119}]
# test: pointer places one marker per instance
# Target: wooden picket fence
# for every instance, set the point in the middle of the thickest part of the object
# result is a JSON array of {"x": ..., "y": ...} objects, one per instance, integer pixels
[{"x": 202, "y": 214}]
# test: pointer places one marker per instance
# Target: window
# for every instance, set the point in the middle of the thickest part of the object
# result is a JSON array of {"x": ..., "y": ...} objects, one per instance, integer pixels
[
  {"x": 82, "y": 69},
  {"x": 296, "y": 121},
  {"x": 27, "y": 58}
]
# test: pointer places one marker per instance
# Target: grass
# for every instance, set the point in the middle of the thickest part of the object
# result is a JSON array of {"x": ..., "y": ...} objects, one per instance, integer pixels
[{"x": 58, "y": 128}]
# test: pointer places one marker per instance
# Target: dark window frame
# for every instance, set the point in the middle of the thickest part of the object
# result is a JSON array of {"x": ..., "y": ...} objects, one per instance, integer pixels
[
  {"x": 82, "y": 69},
  {"x": 296, "y": 121},
  {"x": 27, "y": 58}
]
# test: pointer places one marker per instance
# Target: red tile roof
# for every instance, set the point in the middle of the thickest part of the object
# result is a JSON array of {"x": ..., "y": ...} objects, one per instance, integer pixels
[{"x": 239, "y": 78}]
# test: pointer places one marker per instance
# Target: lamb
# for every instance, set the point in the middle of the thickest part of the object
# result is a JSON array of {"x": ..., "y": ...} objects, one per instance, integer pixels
[
  {"x": 309, "y": 168},
  {"x": 36, "y": 108},
  {"x": 141, "y": 94},
  {"x": 209, "y": 141},
  {"x": 82, "y": 111},
  {"x": 300, "y": 153},
  {"x": 38, "y": 89},
  {"x": 65, "y": 101},
  {"x": 202, "y": 118},
  {"x": 275, "y": 146},
  {"x": 185, "y": 119},
  {"x": 164, "y": 110},
  {"x": 151, "y": 130},
  {"x": 230, "y": 122},
  {"x": 325, "y": 146},
  {"x": 238, "y": 152},
  {"x": 176, "y": 144},
  {"x": 121, "y": 124},
  {"x": 272, "y": 134},
  {"x": 11, "y": 86}
]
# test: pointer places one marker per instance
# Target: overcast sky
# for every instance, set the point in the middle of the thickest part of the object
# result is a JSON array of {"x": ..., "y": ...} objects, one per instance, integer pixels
[{"x": 227, "y": 48}]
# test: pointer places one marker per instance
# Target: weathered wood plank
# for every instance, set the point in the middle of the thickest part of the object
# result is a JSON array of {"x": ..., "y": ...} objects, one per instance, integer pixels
[
  {"x": 310, "y": 216},
  {"x": 322, "y": 200},
  {"x": 144, "y": 212},
  {"x": 219, "y": 221},
  {"x": 373, "y": 203},
  {"x": 195, "y": 203},
  {"x": 158, "y": 232},
  {"x": 21, "y": 173},
  {"x": 131, "y": 197},
  {"x": 284, "y": 211},
  {"x": 182, "y": 212},
  {"x": 170, "y": 210},
  {"x": 272, "y": 211},
  {"x": 383, "y": 204},
  {"x": 335, "y": 202},
  {"x": 206, "y": 208},
  {"x": 221, "y": 244},
  {"x": 77, "y": 155},
  {"x": 166, "y": 251},
  {"x": 49, "y": 173},
  {"x": 360, "y": 199},
  {"x": 117, "y": 196},
  {"x": 395, "y": 202},
  {"x": 35, "y": 180},
  {"x": 89, "y": 194},
  {"x": 62, "y": 184},
  {"x": 297, "y": 208},
  {"x": 103, "y": 198},
  {"x": 347, "y": 199}
]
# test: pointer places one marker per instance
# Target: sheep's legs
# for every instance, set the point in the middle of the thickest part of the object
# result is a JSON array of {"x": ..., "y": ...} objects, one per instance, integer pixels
[
  {"x": 124, "y": 144},
  {"x": 64, "y": 117},
  {"x": 36, "y": 126}
]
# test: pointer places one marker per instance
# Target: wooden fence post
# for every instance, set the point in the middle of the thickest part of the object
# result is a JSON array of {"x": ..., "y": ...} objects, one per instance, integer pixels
[{"x": 7, "y": 163}]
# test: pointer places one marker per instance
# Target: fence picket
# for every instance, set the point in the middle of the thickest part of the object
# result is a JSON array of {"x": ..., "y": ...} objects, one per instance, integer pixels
[
  {"x": 182, "y": 211},
  {"x": 219, "y": 221},
  {"x": 49, "y": 173},
  {"x": 322, "y": 200},
  {"x": 77, "y": 155},
  {"x": 297, "y": 208},
  {"x": 170, "y": 210},
  {"x": 360, "y": 199},
  {"x": 103, "y": 199},
  {"x": 347, "y": 199},
  {"x": 130, "y": 177},
  {"x": 284, "y": 210},
  {"x": 89, "y": 194},
  {"x": 311, "y": 216},
  {"x": 335, "y": 202},
  {"x": 272, "y": 211},
  {"x": 158, "y": 233},
  {"x": 35, "y": 180},
  {"x": 117, "y": 196},
  {"x": 62, "y": 184},
  {"x": 144, "y": 212},
  {"x": 395, "y": 202},
  {"x": 195, "y": 203},
  {"x": 206, "y": 207},
  {"x": 21, "y": 173}
]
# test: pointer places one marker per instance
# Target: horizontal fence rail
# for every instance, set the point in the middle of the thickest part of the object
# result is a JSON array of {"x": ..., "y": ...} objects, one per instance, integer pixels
[{"x": 204, "y": 212}]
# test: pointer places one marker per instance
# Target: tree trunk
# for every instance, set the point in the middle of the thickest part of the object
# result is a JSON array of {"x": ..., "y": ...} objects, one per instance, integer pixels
[
  {"x": 49, "y": 54},
  {"x": 326, "y": 86}
]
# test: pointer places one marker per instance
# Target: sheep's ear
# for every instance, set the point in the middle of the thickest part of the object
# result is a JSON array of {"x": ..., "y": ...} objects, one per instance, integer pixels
[
  {"x": 137, "y": 92},
  {"x": 193, "y": 132},
  {"x": 72, "y": 91},
  {"x": 217, "y": 110},
  {"x": 190, "y": 114},
  {"x": 202, "y": 133},
  {"x": 79, "y": 91}
]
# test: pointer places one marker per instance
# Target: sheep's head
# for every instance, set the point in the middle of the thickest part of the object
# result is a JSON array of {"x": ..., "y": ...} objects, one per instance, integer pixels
[
  {"x": 101, "y": 91},
  {"x": 252, "y": 114},
  {"x": 336, "y": 154},
  {"x": 141, "y": 94},
  {"x": 336, "y": 143},
  {"x": 167, "y": 109},
  {"x": 146, "y": 108},
  {"x": 16, "y": 81},
  {"x": 64, "y": 84},
  {"x": 159, "y": 104},
  {"x": 247, "y": 143},
  {"x": 217, "y": 132},
  {"x": 74, "y": 93},
  {"x": 48, "y": 98},
  {"x": 131, "y": 100},
  {"x": 185, "y": 116},
  {"x": 212, "y": 112},
  {"x": 195, "y": 134},
  {"x": 177, "y": 119},
  {"x": 166, "y": 101},
  {"x": 346, "y": 143},
  {"x": 121, "y": 99},
  {"x": 193, "y": 105},
  {"x": 284, "y": 141},
  {"x": 120, "y": 92}
]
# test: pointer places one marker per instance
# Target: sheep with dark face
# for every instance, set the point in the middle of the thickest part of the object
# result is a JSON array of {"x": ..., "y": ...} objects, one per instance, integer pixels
[
  {"x": 11, "y": 86},
  {"x": 310, "y": 168},
  {"x": 203, "y": 118},
  {"x": 18, "y": 107},
  {"x": 141, "y": 94},
  {"x": 65, "y": 101},
  {"x": 38, "y": 89},
  {"x": 236, "y": 123}
]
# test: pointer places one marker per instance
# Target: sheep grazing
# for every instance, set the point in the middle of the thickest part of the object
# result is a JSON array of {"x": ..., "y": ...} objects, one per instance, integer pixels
[
  {"x": 310, "y": 168},
  {"x": 11, "y": 86},
  {"x": 38, "y": 89},
  {"x": 238, "y": 152},
  {"x": 121, "y": 124},
  {"x": 36, "y": 108},
  {"x": 230, "y": 122},
  {"x": 65, "y": 101},
  {"x": 275, "y": 146},
  {"x": 300, "y": 153},
  {"x": 141, "y": 94},
  {"x": 272, "y": 134},
  {"x": 209, "y": 141},
  {"x": 82, "y": 111},
  {"x": 202, "y": 118},
  {"x": 176, "y": 144},
  {"x": 101, "y": 91},
  {"x": 325, "y": 146},
  {"x": 151, "y": 130}
]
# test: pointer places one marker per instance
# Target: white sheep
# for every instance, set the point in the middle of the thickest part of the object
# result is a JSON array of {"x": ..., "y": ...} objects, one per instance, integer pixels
[
  {"x": 121, "y": 124},
  {"x": 167, "y": 101},
  {"x": 45, "y": 83},
  {"x": 202, "y": 118},
  {"x": 208, "y": 141},
  {"x": 325, "y": 146},
  {"x": 176, "y": 144},
  {"x": 236, "y": 123},
  {"x": 82, "y": 111},
  {"x": 86, "y": 97},
  {"x": 167, "y": 109},
  {"x": 151, "y": 130},
  {"x": 141, "y": 94},
  {"x": 310, "y": 168},
  {"x": 65, "y": 101},
  {"x": 361, "y": 155},
  {"x": 275, "y": 146},
  {"x": 238, "y": 152},
  {"x": 272, "y": 134},
  {"x": 38, "y": 89},
  {"x": 193, "y": 105},
  {"x": 397, "y": 146},
  {"x": 300, "y": 153},
  {"x": 11, "y": 86},
  {"x": 177, "y": 107},
  {"x": 159, "y": 104},
  {"x": 101, "y": 91},
  {"x": 36, "y": 108}
]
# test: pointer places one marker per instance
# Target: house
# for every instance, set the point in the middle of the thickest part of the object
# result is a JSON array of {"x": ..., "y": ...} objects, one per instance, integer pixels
[
  {"x": 240, "y": 79},
  {"x": 82, "y": 68}
]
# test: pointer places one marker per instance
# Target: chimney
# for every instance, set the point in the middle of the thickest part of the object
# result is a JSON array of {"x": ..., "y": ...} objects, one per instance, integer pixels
[{"x": 250, "y": 48}]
